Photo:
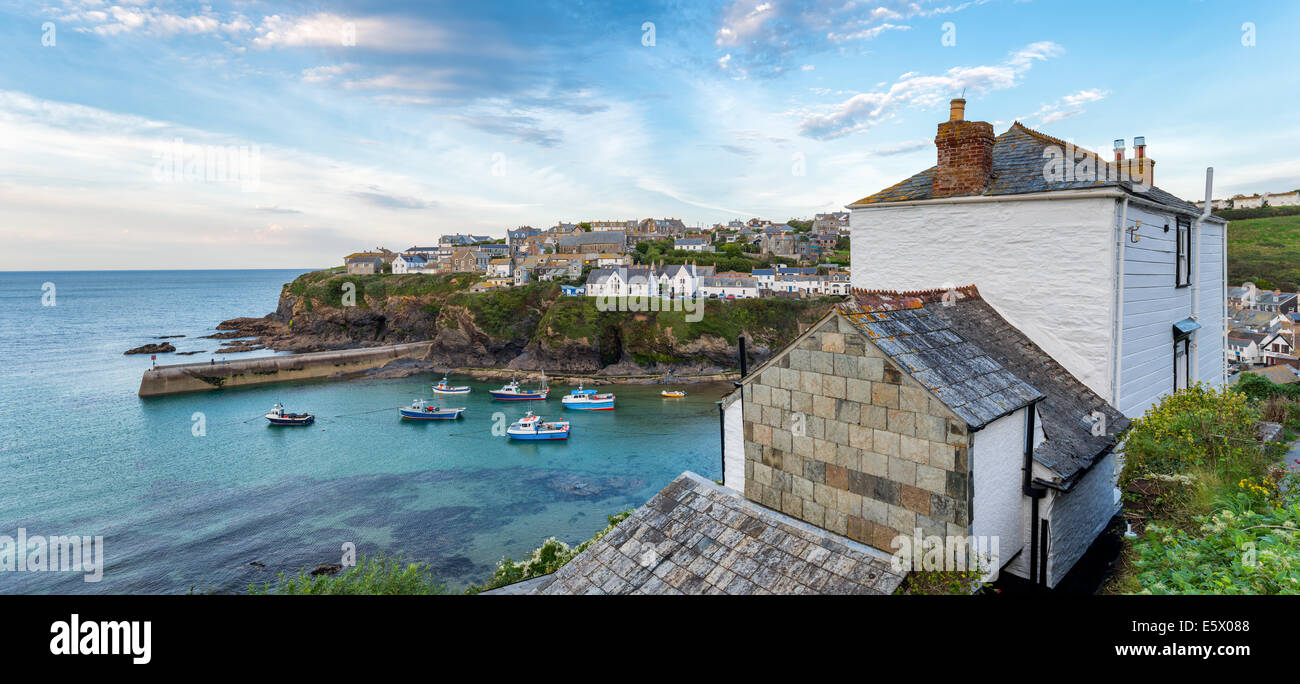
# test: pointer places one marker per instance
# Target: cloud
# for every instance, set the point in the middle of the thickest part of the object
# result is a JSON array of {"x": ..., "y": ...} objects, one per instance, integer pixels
[
  {"x": 766, "y": 36},
  {"x": 520, "y": 128},
  {"x": 321, "y": 74},
  {"x": 375, "y": 195},
  {"x": 905, "y": 147},
  {"x": 1067, "y": 107},
  {"x": 864, "y": 110}
]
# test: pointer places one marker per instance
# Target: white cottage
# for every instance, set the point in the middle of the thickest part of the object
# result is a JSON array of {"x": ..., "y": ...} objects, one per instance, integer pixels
[{"x": 1123, "y": 283}]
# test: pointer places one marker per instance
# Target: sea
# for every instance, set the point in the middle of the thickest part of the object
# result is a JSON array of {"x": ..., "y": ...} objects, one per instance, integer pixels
[{"x": 197, "y": 493}]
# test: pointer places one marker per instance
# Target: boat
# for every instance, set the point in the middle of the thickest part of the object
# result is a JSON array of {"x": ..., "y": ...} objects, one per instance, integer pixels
[
  {"x": 418, "y": 410},
  {"x": 443, "y": 388},
  {"x": 277, "y": 416},
  {"x": 672, "y": 394},
  {"x": 533, "y": 428},
  {"x": 588, "y": 400},
  {"x": 512, "y": 392}
]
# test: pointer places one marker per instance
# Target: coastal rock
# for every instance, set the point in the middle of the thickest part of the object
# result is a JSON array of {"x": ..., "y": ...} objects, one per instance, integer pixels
[
  {"x": 238, "y": 346},
  {"x": 326, "y": 569},
  {"x": 163, "y": 348},
  {"x": 191, "y": 353},
  {"x": 168, "y": 337}
]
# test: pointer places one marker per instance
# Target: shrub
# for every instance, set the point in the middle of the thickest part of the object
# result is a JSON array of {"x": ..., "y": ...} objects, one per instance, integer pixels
[
  {"x": 372, "y": 575},
  {"x": 552, "y": 555}
]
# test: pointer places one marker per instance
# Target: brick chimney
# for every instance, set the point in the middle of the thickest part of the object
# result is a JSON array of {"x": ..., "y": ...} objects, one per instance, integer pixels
[
  {"x": 965, "y": 154},
  {"x": 1140, "y": 169}
]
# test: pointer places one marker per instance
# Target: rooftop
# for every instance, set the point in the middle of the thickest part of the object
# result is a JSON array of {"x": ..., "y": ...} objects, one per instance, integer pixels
[
  {"x": 697, "y": 537},
  {"x": 1018, "y": 162}
]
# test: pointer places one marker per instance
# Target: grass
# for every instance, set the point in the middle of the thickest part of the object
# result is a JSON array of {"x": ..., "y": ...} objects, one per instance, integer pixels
[{"x": 1265, "y": 251}]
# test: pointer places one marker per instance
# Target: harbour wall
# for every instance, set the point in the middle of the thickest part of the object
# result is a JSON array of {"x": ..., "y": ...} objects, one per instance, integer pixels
[{"x": 199, "y": 377}]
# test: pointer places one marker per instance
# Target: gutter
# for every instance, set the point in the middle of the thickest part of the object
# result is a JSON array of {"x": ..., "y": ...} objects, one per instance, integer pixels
[{"x": 1035, "y": 196}]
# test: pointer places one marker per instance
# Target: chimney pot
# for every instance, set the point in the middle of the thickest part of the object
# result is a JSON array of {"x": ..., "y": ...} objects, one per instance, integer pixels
[
  {"x": 957, "y": 109},
  {"x": 1140, "y": 144}
]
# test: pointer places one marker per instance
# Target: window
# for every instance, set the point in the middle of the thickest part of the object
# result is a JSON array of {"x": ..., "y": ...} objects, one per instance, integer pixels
[{"x": 1183, "y": 263}]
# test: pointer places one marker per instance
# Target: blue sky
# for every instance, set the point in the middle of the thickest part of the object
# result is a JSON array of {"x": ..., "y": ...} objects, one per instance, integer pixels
[{"x": 388, "y": 124}]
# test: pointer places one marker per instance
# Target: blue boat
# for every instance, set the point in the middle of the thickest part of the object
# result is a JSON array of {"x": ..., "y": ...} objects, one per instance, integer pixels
[
  {"x": 418, "y": 410},
  {"x": 533, "y": 428},
  {"x": 588, "y": 400},
  {"x": 277, "y": 416},
  {"x": 443, "y": 387}
]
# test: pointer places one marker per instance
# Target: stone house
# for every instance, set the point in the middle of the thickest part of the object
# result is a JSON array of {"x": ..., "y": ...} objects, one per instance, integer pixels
[{"x": 927, "y": 411}]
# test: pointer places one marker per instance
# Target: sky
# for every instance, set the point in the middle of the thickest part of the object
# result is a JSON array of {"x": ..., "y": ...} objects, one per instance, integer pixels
[{"x": 246, "y": 134}]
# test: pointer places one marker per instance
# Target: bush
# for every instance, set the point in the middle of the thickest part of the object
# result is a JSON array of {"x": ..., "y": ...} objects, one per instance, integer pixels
[
  {"x": 373, "y": 575},
  {"x": 552, "y": 555}
]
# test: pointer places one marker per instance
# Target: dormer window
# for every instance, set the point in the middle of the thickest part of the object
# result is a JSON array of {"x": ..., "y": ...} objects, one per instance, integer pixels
[{"x": 1183, "y": 260}]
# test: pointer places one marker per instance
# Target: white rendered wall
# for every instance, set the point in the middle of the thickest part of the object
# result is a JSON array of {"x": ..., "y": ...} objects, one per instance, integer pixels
[
  {"x": 1079, "y": 515},
  {"x": 1152, "y": 304},
  {"x": 1047, "y": 266},
  {"x": 733, "y": 447},
  {"x": 997, "y": 461}
]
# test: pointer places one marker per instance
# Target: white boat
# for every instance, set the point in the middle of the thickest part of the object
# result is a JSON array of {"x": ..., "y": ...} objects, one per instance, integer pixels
[
  {"x": 278, "y": 416},
  {"x": 444, "y": 388}
]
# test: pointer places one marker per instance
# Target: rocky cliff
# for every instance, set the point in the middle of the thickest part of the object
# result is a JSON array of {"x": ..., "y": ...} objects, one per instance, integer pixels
[{"x": 527, "y": 328}]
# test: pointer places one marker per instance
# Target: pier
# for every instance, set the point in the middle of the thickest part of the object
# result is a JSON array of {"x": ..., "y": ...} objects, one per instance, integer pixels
[{"x": 199, "y": 377}]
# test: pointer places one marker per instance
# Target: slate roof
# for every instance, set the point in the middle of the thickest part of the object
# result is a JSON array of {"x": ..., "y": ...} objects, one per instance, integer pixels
[
  {"x": 1018, "y": 164},
  {"x": 594, "y": 237},
  {"x": 696, "y": 537},
  {"x": 959, "y": 373},
  {"x": 982, "y": 367}
]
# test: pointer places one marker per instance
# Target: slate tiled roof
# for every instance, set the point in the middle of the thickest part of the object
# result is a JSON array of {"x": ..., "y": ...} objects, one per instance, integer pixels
[
  {"x": 1018, "y": 169},
  {"x": 594, "y": 238},
  {"x": 982, "y": 367},
  {"x": 696, "y": 537},
  {"x": 960, "y": 374}
]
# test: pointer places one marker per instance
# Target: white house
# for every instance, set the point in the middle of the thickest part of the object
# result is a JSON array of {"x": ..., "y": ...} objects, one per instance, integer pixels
[
  {"x": 499, "y": 268},
  {"x": 693, "y": 244},
  {"x": 414, "y": 263},
  {"x": 1244, "y": 348},
  {"x": 1278, "y": 349},
  {"x": 1121, "y": 282},
  {"x": 728, "y": 287}
]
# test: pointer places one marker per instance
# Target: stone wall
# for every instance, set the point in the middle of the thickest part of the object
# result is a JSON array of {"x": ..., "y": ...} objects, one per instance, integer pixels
[{"x": 837, "y": 436}]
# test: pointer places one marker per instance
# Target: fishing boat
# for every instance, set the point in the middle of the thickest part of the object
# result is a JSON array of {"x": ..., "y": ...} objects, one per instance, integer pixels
[
  {"x": 418, "y": 410},
  {"x": 444, "y": 388},
  {"x": 588, "y": 400},
  {"x": 512, "y": 392},
  {"x": 277, "y": 416},
  {"x": 672, "y": 394},
  {"x": 532, "y": 428}
]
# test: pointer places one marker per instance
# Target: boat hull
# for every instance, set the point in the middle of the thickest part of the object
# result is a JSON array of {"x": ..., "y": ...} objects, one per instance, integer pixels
[
  {"x": 454, "y": 390},
  {"x": 430, "y": 415},
  {"x": 292, "y": 421},
  {"x": 606, "y": 405},
  {"x": 538, "y": 436},
  {"x": 513, "y": 396}
]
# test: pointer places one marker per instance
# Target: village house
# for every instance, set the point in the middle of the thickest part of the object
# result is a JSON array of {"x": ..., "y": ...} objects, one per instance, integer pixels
[
  {"x": 927, "y": 410},
  {"x": 728, "y": 287},
  {"x": 1276, "y": 301},
  {"x": 1144, "y": 269},
  {"x": 603, "y": 241},
  {"x": 1243, "y": 348},
  {"x": 500, "y": 268},
  {"x": 1255, "y": 320},
  {"x": 693, "y": 245},
  {"x": 414, "y": 262},
  {"x": 1278, "y": 349},
  {"x": 363, "y": 263}
]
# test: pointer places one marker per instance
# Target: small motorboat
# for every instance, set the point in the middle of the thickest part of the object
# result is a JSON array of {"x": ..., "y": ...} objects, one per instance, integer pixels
[
  {"x": 512, "y": 392},
  {"x": 532, "y": 427},
  {"x": 418, "y": 410},
  {"x": 672, "y": 394},
  {"x": 444, "y": 388},
  {"x": 278, "y": 416},
  {"x": 588, "y": 400}
]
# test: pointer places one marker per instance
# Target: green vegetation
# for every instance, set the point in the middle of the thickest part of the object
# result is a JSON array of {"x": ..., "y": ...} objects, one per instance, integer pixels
[
  {"x": 1261, "y": 212},
  {"x": 510, "y": 312},
  {"x": 327, "y": 287},
  {"x": 544, "y": 560},
  {"x": 372, "y": 575},
  {"x": 728, "y": 257},
  {"x": 1218, "y": 514},
  {"x": 1265, "y": 251}
]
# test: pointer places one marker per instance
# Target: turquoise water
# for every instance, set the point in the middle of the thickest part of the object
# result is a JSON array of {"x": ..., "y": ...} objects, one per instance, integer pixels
[{"x": 83, "y": 455}]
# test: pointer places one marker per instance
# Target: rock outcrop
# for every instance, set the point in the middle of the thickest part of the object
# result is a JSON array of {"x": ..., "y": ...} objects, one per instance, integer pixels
[{"x": 163, "y": 348}]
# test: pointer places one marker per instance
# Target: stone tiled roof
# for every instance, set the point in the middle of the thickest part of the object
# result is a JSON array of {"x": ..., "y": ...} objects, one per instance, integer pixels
[
  {"x": 982, "y": 367},
  {"x": 696, "y": 537},
  {"x": 959, "y": 373},
  {"x": 1017, "y": 169}
]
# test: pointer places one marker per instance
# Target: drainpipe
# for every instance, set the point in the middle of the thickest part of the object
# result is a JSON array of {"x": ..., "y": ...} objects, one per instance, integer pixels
[
  {"x": 744, "y": 360},
  {"x": 722, "y": 432},
  {"x": 1223, "y": 303},
  {"x": 1119, "y": 302},
  {"x": 1033, "y": 491},
  {"x": 1195, "y": 256}
]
